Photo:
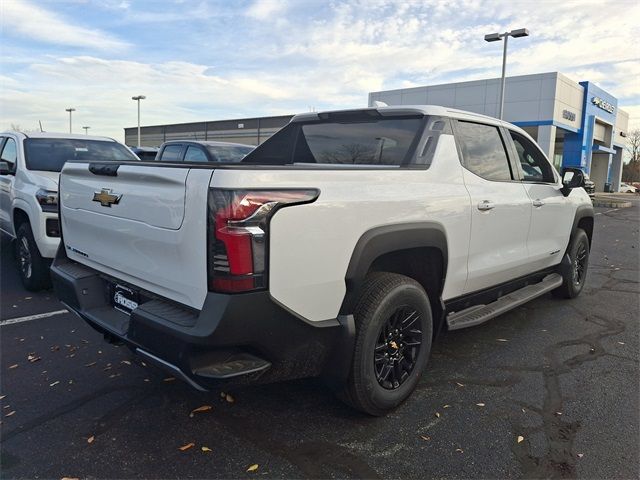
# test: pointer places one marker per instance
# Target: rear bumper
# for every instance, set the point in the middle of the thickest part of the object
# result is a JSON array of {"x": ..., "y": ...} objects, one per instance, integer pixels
[{"x": 235, "y": 339}]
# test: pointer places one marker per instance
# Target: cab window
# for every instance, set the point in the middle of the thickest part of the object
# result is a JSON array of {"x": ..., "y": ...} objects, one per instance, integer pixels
[
  {"x": 195, "y": 154},
  {"x": 483, "y": 151},
  {"x": 535, "y": 167},
  {"x": 171, "y": 153},
  {"x": 9, "y": 153}
]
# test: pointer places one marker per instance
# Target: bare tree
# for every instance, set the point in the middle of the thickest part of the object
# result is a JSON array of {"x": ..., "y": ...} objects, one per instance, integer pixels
[{"x": 631, "y": 170}]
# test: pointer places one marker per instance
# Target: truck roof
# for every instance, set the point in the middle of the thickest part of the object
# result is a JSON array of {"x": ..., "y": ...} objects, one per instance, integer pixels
[
  {"x": 407, "y": 110},
  {"x": 71, "y": 136}
]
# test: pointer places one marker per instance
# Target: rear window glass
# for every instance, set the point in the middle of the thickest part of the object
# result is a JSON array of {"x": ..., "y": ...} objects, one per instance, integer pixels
[
  {"x": 50, "y": 154},
  {"x": 229, "y": 153},
  {"x": 377, "y": 141}
]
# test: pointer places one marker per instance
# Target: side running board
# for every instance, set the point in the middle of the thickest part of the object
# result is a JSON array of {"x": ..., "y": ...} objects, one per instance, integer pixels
[{"x": 478, "y": 314}]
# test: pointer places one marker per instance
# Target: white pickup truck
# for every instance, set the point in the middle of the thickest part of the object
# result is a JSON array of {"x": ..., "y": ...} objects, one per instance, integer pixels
[
  {"x": 339, "y": 248},
  {"x": 30, "y": 164}
]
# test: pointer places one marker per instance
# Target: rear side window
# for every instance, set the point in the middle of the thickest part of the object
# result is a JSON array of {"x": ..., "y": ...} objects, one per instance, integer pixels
[
  {"x": 535, "y": 167},
  {"x": 483, "y": 151},
  {"x": 195, "y": 154},
  {"x": 371, "y": 141},
  {"x": 171, "y": 153}
]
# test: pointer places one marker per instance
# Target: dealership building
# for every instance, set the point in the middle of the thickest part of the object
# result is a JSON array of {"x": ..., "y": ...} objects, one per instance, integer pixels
[{"x": 576, "y": 124}]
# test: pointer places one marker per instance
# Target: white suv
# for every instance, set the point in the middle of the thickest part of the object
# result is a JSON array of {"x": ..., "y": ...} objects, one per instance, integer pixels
[{"x": 30, "y": 164}]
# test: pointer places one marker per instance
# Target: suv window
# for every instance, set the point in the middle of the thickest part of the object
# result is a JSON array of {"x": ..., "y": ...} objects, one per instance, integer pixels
[
  {"x": 535, "y": 167},
  {"x": 348, "y": 141},
  {"x": 195, "y": 154},
  {"x": 171, "y": 153},
  {"x": 9, "y": 152},
  {"x": 483, "y": 151}
]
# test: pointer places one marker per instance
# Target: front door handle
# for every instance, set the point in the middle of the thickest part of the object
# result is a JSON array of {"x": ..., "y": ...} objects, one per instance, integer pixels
[
  {"x": 485, "y": 205},
  {"x": 538, "y": 203}
]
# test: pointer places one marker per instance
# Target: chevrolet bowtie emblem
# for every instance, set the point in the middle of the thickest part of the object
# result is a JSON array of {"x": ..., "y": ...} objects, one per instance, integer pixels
[{"x": 106, "y": 198}]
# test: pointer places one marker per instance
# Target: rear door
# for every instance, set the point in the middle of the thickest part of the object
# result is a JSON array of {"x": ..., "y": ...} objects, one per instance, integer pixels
[
  {"x": 145, "y": 226},
  {"x": 501, "y": 209},
  {"x": 551, "y": 212},
  {"x": 8, "y": 153}
]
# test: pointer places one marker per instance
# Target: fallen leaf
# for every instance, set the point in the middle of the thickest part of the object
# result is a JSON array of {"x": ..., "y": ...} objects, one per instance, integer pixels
[
  {"x": 558, "y": 413},
  {"x": 126, "y": 362},
  {"x": 147, "y": 380},
  {"x": 520, "y": 438},
  {"x": 222, "y": 394},
  {"x": 460, "y": 384},
  {"x": 91, "y": 439},
  {"x": 33, "y": 358},
  {"x": 2, "y": 396},
  {"x": 480, "y": 404},
  {"x": 523, "y": 410},
  {"x": 437, "y": 415},
  {"x": 54, "y": 383},
  {"x": 502, "y": 340},
  {"x": 203, "y": 408},
  {"x": 143, "y": 364},
  {"x": 27, "y": 298},
  {"x": 187, "y": 446},
  {"x": 620, "y": 343},
  {"x": 459, "y": 450},
  {"x": 447, "y": 406},
  {"x": 55, "y": 348},
  {"x": 69, "y": 478},
  {"x": 7, "y": 406},
  {"x": 169, "y": 379},
  {"x": 253, "y": 468},
  {"x": 229, "y": 398},
  {"x": 10, "y": 413},
  {"x": 205, "y": 449},
  {"x": 580, "y": 455},
  {"x": 90, "y": 364},
  {"x": 15, "y": 365},
  {"x": 425, "y": 438}
]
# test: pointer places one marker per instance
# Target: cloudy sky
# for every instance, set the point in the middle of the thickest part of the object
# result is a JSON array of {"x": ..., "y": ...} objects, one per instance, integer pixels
[{"x": 208, "y": 60}]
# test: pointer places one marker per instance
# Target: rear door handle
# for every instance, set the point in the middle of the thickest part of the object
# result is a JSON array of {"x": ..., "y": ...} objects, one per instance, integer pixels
[
  {"x": 485, "y": 205},
  {"x": 538, "y": 203}
]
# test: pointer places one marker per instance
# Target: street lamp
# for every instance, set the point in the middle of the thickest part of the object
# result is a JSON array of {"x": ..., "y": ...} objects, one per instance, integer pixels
[
  {"x": 138, "y": 98},
  {"x": 70, "y": 110},
  {"x": 494, "y": 37},
  {"x": 86, "y": 130}
]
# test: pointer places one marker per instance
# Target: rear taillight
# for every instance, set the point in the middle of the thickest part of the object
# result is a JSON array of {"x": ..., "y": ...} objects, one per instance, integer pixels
[{"x": 238, "y": 234}]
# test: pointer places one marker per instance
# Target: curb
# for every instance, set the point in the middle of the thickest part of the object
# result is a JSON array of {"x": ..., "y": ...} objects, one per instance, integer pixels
[{"x": 611, "y": 203}]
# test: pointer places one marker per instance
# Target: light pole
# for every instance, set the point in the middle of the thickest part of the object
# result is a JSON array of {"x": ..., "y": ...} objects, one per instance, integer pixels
[
  {"x": 70, "y": 110},
  {"x": 86, "y": 130},
  {"x": 138, "y": 98},
  {"x": 494, "y": 37}
]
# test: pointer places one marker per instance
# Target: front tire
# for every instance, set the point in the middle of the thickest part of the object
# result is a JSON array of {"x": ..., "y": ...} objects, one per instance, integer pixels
[
  {"x": 394, "y": 328},
  {"x": 32, "y": 267},
  {"x": 575, "y": 275}
]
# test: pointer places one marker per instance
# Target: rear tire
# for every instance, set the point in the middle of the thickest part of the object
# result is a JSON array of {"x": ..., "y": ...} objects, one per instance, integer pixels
[
  {"x": 32, "y": 267},
  {"x": 394, "y": 330},
  {"x": 575, "y": 276}
]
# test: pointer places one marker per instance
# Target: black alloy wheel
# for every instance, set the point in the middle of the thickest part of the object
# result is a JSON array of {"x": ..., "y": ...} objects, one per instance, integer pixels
[{"x": 397, "y": 348}]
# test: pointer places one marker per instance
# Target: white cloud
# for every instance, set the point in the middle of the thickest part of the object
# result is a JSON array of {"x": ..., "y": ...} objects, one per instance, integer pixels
[
  {"x": 24, "y": 19},
  {"x": 266, "y": 9}
]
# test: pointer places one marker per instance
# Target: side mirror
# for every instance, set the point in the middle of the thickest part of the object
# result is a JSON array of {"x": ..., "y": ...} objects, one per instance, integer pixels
[
  {"x": 571, "y": 178},
  {"x": 4, "y": 168}
]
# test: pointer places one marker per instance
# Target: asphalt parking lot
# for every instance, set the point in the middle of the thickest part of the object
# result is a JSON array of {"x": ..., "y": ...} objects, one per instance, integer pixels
[{"x": 549, "y": 390}]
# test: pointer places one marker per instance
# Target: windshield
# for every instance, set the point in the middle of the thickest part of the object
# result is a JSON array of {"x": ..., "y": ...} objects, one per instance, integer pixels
[
  {"x": 229, "y": 153},
  {"x": 374, "y": 141},
  {"x": 50, "y": 154}
]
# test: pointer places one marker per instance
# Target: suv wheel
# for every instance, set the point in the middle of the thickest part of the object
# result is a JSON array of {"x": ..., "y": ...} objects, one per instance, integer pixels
[
  {"x": 33, "y": 269},
  {"x": 393, "y": 339},
  {"x": 575, "y": 276}
]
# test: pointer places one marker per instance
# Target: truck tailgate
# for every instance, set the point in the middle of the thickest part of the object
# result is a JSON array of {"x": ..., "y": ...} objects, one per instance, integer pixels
[{"x": 142, "y": 226}]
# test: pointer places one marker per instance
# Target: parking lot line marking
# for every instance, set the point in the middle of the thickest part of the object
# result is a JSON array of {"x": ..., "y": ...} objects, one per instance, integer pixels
[{"x": 11, "y": 321}]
